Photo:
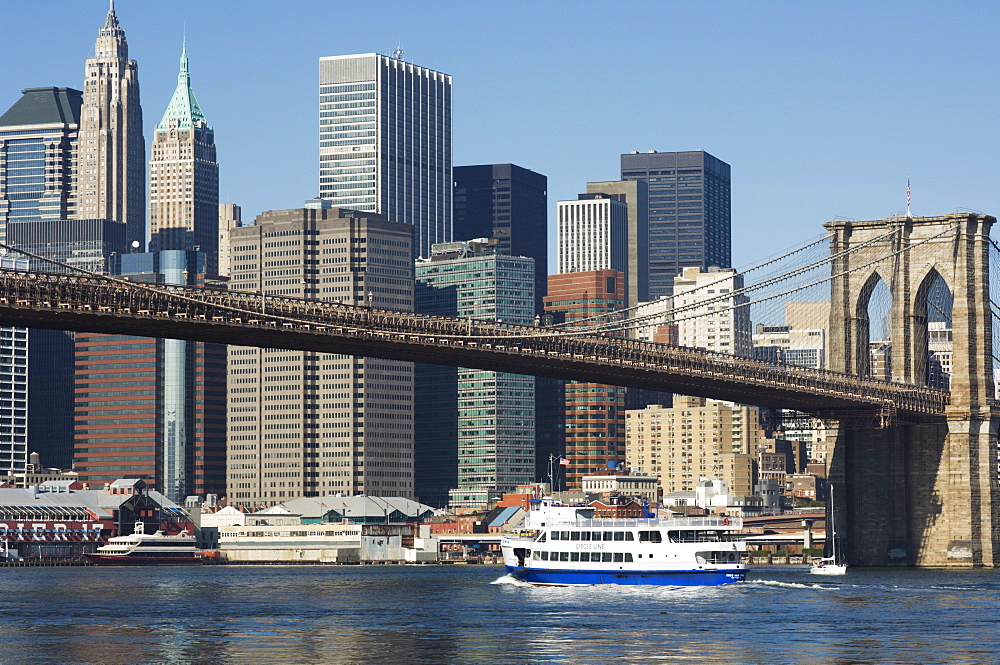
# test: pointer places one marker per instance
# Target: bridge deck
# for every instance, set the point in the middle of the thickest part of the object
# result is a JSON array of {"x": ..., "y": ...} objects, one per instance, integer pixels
[{"x": 92, "y": 304}]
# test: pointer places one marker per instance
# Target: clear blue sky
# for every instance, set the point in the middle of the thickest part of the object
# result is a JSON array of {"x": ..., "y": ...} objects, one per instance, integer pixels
[{"x": 822, "y": 109}]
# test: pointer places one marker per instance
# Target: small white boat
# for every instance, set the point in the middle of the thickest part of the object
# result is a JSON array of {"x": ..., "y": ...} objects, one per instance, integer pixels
[
  {"x": 144, "y": 549},
  {"x": 833, "y": 564}
]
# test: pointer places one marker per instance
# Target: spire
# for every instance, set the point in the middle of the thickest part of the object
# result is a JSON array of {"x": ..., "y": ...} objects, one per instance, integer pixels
[
  {"x": 183, "y": 107},
  {"x": 111, "y": 22}
]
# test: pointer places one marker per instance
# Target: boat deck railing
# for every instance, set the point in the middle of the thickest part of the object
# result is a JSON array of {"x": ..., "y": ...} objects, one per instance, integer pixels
[{"x": 734, "y": 523}]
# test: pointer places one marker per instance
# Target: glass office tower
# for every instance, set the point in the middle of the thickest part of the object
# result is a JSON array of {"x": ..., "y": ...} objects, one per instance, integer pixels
[
  {"x": 475, "y": 429},
  {"x": 689, "y": 212},
  {"x": 385, "y": 142}
]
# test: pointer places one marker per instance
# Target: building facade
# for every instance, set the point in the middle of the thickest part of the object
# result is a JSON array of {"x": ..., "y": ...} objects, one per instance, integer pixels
[
  {"x": 710, "y": 313},
  {"x": 592, "y": 234},
  {"x": 312, "y": 424},
  {"x": 695, "y": 439},
  {"x": 230, "y": 217},
  {"x": 590, "y": 423},
  {"x": 475, "y": 430},
  {"x": 111, "y": 158},
  {"x": 690, "y": 213},
  {"x": 508, "y": 203},
  {"x": 38, "y": 136},
  {"x": 184, "y": 178},
  {"x": 152, "y": 408},
  {"x": 635, "y": 195},
  {"x": 385, "y": 142}
]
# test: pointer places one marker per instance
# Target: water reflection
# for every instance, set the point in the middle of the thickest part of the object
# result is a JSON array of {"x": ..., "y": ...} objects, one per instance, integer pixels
[{"x": 455, "y": 614}]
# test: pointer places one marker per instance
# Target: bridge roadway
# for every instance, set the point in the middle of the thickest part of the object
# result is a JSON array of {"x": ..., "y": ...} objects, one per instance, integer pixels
[{"x": 95, "y": 304}]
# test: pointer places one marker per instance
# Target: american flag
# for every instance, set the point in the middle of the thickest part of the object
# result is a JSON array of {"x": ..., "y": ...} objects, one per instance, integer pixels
[
  {"x": 907, "y": 193},
  {"x": 564, "y": 461}
]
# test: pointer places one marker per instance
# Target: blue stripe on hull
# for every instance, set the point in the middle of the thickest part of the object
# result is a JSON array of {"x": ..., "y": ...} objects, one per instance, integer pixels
[{"x": 660, "y": 578}]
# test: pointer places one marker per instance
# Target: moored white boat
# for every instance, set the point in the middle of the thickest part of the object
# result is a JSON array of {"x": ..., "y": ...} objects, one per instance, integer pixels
[
  {"x": 140, "y": 548},
  {"x": 564, "y": 545},
  {"x": 833, "y": 564}
]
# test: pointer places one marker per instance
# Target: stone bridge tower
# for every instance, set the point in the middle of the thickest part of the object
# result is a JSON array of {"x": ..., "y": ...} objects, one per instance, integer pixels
[{"x": 923, "y": 494}]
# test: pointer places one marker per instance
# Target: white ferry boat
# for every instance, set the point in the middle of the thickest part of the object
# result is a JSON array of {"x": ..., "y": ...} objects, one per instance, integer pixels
[
  {"x": 140, "y": 548},
  {"x": 564, "y": 545}
]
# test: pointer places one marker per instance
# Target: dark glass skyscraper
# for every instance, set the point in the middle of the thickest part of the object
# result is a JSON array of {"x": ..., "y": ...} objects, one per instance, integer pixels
[
  {"x": 509, "y": 203},
  {"x": 689, "y": 212}
]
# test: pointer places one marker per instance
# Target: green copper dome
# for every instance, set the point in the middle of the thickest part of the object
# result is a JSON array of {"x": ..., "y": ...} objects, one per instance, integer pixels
[{"x": 183, "y": 106}]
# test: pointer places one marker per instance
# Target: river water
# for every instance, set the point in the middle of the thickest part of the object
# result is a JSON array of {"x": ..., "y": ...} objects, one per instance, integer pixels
[{"x": 475, "y": 614}]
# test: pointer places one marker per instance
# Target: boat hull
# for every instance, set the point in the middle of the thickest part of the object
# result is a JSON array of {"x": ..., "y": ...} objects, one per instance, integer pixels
[
  {"x": 108, "y": 560},
  {"x": 557, "y": 577}
]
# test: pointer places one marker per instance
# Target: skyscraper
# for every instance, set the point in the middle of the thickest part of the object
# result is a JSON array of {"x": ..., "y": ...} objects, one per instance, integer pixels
[
  {"x": 635, "y": 195},
  {"x": 593, "y": 418},
  {"x": 184, "y": 177},
  {"x": 111, "y": 159},
  {"x": 152, "y": 408},
  {"x": 38, "y": 137},
  {"x": 689, "y": 212},
  {"x": 385, "y": 142},
  {"x": 592, "y": 234},
  {"x": 510, "y": 204},
  {"x": 475, "y": 435},
  {"x": 312, "y": 424}
]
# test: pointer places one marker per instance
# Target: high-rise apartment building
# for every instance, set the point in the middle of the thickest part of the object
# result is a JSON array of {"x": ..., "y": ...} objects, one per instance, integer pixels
[
  {"x": 694, "y": 439},
  {"x": 311, "y": 424},
  {"x": 592, "y": 234},
  {"x": 152, "y": 408},
  {"x": 184, "y": 177},
  {"x": 111, "y": 157},
  {"x": 509, "y": 204},
  {"x": 635, "y": 195},
  {"x": 385, "y": 142},
  {"x": 592, "y": 422},
  {"x": 475, "y": 429},
  {"x": 38, "y": 137},
  {"x": 689, "y": 212},
  {"x": 710, "y": 313}
]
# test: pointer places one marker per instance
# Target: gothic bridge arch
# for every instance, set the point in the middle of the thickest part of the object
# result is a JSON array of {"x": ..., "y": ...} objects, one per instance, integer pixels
[{"x": 920, "y": 494}]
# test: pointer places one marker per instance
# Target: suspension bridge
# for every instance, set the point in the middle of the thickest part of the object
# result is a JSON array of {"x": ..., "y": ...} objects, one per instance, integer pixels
[{"x": 918, "y": 462}]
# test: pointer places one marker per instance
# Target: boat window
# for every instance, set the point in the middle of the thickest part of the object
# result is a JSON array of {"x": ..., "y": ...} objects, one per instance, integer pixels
[
  {"x": 606, "y": 556},
  {"x": 609, "y": 535},
  {"x": 536, "y": 556},
  {"x": 574, "y": 556},
  {"x": 596, "y": 535},
  {"x": 541, "y": 538},
  {"x": 619, "y": 557},
  {"x": 545, "y": 556},
  {"x": 619, "y": 535},
  {"x": 628, "y": 535},
  {"x": 628, "y": 556},
  {"x": 564, "y": 556},
  {"x": 575, "y": 535},
  {"x": 650, "y": 537},
  {"x": 584, "y": 535},
  {"x": 564, "y": 535}
]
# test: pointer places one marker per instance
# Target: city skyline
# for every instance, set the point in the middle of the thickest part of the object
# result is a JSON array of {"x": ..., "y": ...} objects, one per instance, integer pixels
[{"x": 820, "y": 115}]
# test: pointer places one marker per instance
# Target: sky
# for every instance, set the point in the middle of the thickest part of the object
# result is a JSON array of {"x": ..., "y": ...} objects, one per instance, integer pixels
[{"x": 823, "y": 110}]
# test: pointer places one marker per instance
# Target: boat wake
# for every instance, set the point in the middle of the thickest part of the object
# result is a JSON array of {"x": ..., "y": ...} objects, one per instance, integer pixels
[
  {"x": 787, "y": 585},
  {"x": 512, "y": 581}
]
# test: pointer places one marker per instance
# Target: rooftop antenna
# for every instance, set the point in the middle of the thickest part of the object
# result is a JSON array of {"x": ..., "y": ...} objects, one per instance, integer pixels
[{"x": 398, "y": 53}]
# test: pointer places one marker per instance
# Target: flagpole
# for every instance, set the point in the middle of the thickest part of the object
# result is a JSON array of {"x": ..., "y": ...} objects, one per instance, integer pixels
[{"x": 908, "y": 198}]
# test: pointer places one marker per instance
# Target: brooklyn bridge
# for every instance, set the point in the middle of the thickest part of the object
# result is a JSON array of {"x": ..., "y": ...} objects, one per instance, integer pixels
[{"x": 916, "y": 466}]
